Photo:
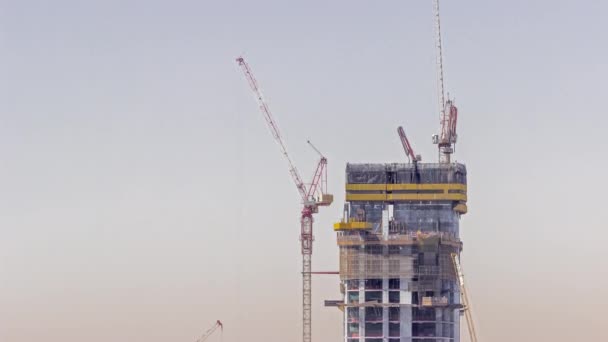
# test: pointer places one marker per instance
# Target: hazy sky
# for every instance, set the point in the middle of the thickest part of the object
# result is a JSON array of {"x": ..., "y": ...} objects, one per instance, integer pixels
[{"x": 142, "y": 197}]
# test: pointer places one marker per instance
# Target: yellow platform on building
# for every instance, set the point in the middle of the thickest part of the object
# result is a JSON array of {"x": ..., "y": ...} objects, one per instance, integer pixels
[
  {"x": 406, "y": 186},
  {"x": 352, "y": 225},
  {"x": 461, "y": 208},
  {"x": 408, "y": 192}
]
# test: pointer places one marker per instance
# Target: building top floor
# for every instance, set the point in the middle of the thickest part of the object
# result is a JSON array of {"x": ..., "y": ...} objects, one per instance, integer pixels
[{"x": 401, "y": 173}]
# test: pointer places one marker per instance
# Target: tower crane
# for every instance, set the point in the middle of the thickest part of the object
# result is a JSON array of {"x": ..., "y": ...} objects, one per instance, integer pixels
[
  {"x": 211, "y": 330},
  {"x": 465, "y": 298},
  {"x": 448, "y": 112},
  {"x": 310, "y": 201},
  {"x": 407, "y": 147}
]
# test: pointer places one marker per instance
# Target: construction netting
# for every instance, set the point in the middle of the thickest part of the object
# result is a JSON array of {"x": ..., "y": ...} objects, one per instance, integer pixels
[
  {"x": 428, "y": 260},
  {"x": 427, "y": 217},
  {"x": 399, "y": 173},
  {"x": 371, "y": 262}
]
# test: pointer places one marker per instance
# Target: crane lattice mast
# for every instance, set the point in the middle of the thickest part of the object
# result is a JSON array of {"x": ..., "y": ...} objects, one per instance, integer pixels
[
  {"x": 309, "y": 201},
  {"x": 447, "y": 110}
]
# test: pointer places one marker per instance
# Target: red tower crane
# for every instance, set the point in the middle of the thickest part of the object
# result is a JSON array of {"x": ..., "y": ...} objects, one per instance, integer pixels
[
  {"x": 310, "y": 201},
  {"x": 448, "y": 111},
  {"x": 211, "y": 330}
]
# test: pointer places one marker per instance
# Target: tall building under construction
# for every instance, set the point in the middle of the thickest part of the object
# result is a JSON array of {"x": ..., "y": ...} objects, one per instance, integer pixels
[
  {"x": 399, "y": 236},
  {"x": 397, "y": 241}
]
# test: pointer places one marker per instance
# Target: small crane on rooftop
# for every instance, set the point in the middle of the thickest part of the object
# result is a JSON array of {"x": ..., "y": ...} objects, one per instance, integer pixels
[
  {"x": 407, "y": 147},
  {"x": 313, "y": 197}
]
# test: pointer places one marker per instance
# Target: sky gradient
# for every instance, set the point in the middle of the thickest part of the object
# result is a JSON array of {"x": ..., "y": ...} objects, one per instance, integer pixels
[{"x": 143, "y": 197}]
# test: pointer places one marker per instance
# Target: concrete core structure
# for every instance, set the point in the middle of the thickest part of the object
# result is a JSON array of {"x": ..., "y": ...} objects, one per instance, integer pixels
[{"x": 399, "y": 231}]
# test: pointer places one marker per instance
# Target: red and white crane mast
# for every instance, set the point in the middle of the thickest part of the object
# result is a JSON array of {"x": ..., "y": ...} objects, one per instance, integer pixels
[
  {"x": 309, "y": 197},
  {"x": 448, "y": 111}
]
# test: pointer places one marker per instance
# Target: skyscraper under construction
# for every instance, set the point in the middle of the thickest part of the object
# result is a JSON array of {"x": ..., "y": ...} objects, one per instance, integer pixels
[
  {"x": 399, "y": 241},
  {"x": 397, "y": 238}
]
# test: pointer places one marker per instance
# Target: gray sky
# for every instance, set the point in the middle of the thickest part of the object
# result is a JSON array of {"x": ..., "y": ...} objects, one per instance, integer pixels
[{"x": 143, "y": 198}]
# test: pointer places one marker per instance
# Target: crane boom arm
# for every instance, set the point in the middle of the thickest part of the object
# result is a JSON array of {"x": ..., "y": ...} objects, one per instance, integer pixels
[
  {"x": 465, "y": 298},
  {"x": 438, "y": 46},
  {"x": 407, "y": 147},
  {"x": 211, "y": 330},
  {"x": 274, "y": 128}
]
